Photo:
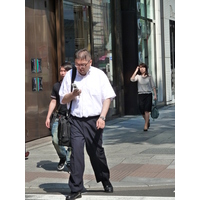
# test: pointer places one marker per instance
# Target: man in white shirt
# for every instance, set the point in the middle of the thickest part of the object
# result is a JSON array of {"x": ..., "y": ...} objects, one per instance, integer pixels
[{"x": 91, "y": 101}]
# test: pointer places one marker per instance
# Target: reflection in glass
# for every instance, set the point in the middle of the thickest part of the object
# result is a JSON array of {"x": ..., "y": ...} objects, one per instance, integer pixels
[
  {"x": 145, "y": 8},
  {"x": 77, "y": 33},
  {"x": 76, "y": 28},
  {"x": 142, "y": 40},
  {"x": 146, "y": 34},
  {"x": 33, "y": 65},
  {"x": 151, "y": 48},
  {"x": 103, "y": 38},
  {"x": 142, "y": 8},
  {"x": 150, "y": 9},
  {"x": 34, "y": 84},
  {"x": 146, "y": 45},
  {"x": 39, "y": 63},
  {"x": 40, "y": 85}
]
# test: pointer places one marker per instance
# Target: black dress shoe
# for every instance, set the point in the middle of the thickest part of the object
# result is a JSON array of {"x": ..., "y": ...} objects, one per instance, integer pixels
[
  {"x": 73, "y": 195},
  {"x": 107, "y": 186}
]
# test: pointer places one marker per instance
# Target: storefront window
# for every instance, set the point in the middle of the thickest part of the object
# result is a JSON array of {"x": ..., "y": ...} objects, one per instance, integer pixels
[
  {"x": 150, "y": 9},
  {"x": 141, "y": 7},
  {"x": 151, "y": 48},
  {"x": 76, "y": 28},
  {"x": 77, "y": 33},
  {"x": 146, "y": 35},
  {"x": 145, "y": 8},
  {"x": 102, "y": 37},
  {"x": 141, "y": 40}
]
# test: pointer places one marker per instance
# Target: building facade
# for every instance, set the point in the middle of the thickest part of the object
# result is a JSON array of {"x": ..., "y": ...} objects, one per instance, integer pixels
[{"x": 119, "y": 34}]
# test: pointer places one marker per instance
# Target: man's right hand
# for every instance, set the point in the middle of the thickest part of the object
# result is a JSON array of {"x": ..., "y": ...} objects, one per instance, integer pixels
[{"x": 76, "y": 92}]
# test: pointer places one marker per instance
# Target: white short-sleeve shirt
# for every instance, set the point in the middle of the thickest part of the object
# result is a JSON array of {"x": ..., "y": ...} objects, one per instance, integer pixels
[{"x": 95, "y": 88}]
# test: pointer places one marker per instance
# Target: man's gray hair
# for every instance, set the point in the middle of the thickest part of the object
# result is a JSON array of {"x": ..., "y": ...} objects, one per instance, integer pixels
[{"x": 82, "y": 54}]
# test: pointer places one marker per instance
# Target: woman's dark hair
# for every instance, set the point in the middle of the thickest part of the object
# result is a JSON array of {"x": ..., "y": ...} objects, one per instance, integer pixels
[{"x": 146, "y": 67}]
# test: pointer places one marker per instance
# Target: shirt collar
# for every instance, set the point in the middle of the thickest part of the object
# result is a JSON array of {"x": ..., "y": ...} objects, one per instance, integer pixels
[{"x": 89, "y": 71}]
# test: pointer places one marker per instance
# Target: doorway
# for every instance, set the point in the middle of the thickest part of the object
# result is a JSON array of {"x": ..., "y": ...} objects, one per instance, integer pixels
[{"x": 76, "y": 28}]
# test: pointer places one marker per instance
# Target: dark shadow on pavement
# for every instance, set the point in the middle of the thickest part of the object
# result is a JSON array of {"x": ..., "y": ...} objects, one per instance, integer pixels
[
  {"x": 61, "y": 188},
  {"x": 49, "y": 166}
]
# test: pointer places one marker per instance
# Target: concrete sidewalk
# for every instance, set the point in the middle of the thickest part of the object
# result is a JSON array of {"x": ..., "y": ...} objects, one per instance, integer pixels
[{"x": 136, "y": 159}]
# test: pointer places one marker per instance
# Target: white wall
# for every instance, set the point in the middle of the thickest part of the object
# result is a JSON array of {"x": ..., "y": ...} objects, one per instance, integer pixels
[
  {"x": 160, "y": 81},
  {"x": 163, "y": 48},
  {"x": 169, "y": 14}
]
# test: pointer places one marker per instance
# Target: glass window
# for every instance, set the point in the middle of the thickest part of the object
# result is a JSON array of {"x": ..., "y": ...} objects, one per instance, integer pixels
[
  {"x": 146, "y": 44},
  {"x": 77, "y": 34},
  {"x": 76, "y": 28},
  {"x": 150, "y": 9},
  {"x": 146, "y": 38},
  {"x": 151, "y": 48},
  {"x": 145, "y": 8},
  {"x": 141, "y": 41},
  {"x": 102, "y": 37},
  {"x": 141, "y": 7}
]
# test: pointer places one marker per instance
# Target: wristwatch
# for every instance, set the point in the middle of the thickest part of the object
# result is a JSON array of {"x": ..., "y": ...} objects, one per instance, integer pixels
[{"x": 102, "y": 117}]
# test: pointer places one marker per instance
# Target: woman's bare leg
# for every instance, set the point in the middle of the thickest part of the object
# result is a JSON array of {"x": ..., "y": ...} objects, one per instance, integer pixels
[{"x": 146, "y": 118}]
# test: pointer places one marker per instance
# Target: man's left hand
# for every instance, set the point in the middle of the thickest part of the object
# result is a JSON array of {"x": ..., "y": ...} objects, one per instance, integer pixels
[{"x": 100, "y": 123}]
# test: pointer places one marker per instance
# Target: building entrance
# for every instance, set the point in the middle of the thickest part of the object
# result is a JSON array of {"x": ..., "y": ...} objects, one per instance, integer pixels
[
  {"x": 76, "y": 28},
  {"x": 78, "y": 34}
]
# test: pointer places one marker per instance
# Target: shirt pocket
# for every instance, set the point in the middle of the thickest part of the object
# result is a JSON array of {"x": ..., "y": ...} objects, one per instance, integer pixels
[{"x": 94, "y": 92}]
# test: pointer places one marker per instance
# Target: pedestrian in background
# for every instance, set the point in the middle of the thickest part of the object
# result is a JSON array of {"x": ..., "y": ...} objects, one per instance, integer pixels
[
  {"x": 145, "y": 87},
  {"x": 90, "y": 105},
  {"x": 55, "y": 102}
]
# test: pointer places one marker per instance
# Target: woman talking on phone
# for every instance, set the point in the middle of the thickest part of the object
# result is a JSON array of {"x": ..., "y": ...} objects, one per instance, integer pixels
[{"x": 145, "y": 87}]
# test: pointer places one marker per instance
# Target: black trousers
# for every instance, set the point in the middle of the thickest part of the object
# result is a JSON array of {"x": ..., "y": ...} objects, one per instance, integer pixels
[{"x": 84, "y": 131}]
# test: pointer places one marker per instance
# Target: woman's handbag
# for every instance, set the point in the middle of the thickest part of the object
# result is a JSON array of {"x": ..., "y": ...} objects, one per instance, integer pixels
[
  {"x": 64, "y": 124},
  {"x": 154, "y": 111}
]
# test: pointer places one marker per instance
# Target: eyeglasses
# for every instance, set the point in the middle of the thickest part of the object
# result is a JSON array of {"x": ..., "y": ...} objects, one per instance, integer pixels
[{"x": 82, "y": 65}]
